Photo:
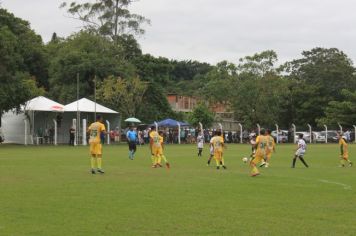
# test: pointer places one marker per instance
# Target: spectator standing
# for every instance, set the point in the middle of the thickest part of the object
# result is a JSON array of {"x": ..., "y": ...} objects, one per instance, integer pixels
[
  {"x": 71, "y": 136},
  {"x": 200, "y": 142}
]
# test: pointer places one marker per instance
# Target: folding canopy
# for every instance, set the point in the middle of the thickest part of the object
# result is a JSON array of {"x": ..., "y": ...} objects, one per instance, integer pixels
[
  {"x": 38, "y": 112},
  {"x": 85, "y": 108},
  {"x": 170, "y": 123},
  {"x": 86, "y": 105}
]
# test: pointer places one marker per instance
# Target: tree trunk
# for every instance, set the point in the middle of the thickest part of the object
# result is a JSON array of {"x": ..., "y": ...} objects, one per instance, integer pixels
[{"x": 116, "y": 21}]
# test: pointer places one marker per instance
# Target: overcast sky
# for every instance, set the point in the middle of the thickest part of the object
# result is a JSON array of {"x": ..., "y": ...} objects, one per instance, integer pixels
[{"x": 216, "y": 30}]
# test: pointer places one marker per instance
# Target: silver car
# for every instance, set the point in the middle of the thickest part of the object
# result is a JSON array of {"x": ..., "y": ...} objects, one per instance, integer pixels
[{"x": 282, "y": 135}]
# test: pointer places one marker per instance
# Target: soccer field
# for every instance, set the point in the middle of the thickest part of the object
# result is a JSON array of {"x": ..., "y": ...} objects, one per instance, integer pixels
[{"x": 49, "y": 191}]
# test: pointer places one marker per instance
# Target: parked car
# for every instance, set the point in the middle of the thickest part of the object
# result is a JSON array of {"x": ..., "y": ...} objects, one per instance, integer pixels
[
  {"x": 332, "y": 136},
  {"x": 306, "y": 135},
  {"x": 318, "y": 137},
  {"x": 282, "y": 136}
]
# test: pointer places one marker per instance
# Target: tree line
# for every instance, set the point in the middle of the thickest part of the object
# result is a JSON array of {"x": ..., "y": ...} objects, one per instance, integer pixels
[{"x": 317, "y": 88}]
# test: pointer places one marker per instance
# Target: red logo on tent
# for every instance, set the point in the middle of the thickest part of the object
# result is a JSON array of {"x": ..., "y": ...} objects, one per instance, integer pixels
[{"x": 57, "y": 108}]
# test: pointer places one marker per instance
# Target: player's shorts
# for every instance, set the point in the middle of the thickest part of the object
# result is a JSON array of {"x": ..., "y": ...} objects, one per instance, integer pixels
[
  {"x": 257, "y": 159},
  {"x": 132, "y": 146},
  {"x": 95, "y": 148},
  {"x": 156, "y": 151},
  {"x": 218, "y": 155},
  {"x": 300, "y": 152}
]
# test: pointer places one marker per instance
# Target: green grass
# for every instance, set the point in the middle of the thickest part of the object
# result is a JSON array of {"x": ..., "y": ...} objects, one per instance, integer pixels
[{"x": 49, "y": 191}]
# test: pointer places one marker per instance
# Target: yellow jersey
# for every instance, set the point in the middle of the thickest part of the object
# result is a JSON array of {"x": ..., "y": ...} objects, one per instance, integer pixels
[
  {"x": 155, "y": 138},
  {"x": 95, "y": 130},
  {"x": 343, "y": 147},
  {"x": 270, "y": 143},
  {"x": 217, "y": 143},
  {"x": 261, "y": 142}
]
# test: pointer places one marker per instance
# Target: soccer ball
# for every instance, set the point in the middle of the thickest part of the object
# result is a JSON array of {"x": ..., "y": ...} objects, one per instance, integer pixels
[{"x": 245, "y": 159}]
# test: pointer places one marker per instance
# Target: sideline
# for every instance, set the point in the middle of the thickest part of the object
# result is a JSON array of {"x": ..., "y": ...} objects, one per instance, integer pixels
[{"x": 345, "y": 186}]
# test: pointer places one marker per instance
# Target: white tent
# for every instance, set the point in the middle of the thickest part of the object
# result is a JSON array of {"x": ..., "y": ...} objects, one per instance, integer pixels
[
  {"x": 86, "y": 105},
  {"x": 86, "y": 109},
  {"x": 35, "y": 117},
  {"x": 40, "y": 114},
  {"x": 42, "y": 104}
]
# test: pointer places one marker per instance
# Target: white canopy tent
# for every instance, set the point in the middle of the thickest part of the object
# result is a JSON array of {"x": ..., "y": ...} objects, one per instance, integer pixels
[
  {"x": 86, "y": 105},
  {"x": 35, "y": 117},
  {"x": 41, "y": 103},
  {"x": 86, "y": 109}
]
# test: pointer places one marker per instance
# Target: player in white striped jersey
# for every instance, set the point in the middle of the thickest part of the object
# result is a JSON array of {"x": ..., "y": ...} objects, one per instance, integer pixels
[{"x": 301, "y": 149}]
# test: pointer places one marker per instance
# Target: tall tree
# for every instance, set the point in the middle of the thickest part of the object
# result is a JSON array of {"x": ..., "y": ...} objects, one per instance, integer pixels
[
  {"x": 89, "y": 56},
  {"x": 220, "y": 82},
  {"x": 125, "y": 95},
  {"x": 155, "y": 105},
  {"x": 21, "y": 58},
  {"x": 107, "y": 17},
  {"x": 342, "y": 112},
  {"x": 202, "y": 114},
  {"x": 259, "y": 64},
  {"x": 260, "y": 101},
  {"x": 153, "y": 69},
  {"x": 253, "y": 89},
  {"x": 319, "y": 78}
]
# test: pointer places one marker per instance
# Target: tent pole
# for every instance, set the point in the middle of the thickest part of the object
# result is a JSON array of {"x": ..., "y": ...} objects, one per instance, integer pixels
[
  {"x": 78, "y": 115},
  {"x": 25, "y": 131},
  {"x": 74, "y": 124},
  {"x": 178, "y": 133},
  {"x": 33, "y": 126},
  {"x": 84, "y": 140},
  {"x": 55, "y": 132},
  {"x": 108, "y": 133}
]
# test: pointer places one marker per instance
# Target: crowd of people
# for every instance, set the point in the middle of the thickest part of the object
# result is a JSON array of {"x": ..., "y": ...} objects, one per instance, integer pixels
[{"x": 187, "y": 135}]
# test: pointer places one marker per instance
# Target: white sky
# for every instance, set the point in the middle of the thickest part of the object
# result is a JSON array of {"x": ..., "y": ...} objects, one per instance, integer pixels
[{"x": 216, "y": 30}]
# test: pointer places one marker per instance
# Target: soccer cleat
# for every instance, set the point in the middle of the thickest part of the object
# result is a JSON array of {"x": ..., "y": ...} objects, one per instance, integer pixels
[
  {"x": 101, "y": 171},
  {"x": 262, "y": 164},
  {"x": 154, "y": 166},
  {"x": 350, "y": 164},
  {"x": 218, "y": 167},
  {"x": 167, "y": 165},
  {"x": 224, "y": 167},
  {"x": 159, "y": 165},
  {"x": 341, "y": 166},
  {"x": 93, "y": 171},
  {"x": 255, "y": 174}
]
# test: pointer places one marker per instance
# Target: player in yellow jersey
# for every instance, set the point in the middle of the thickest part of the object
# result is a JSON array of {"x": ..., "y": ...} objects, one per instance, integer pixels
[
  {"x": 217, "y": 143},
  {"x": 261, "y": 147},
  {"x": 95, "y": 130},
  {"x": 160, "y": 152},
  {"x": 344, "y": 152},
  {"x": 155, "y": 146},
  {"x": 271, "y": 147}
]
